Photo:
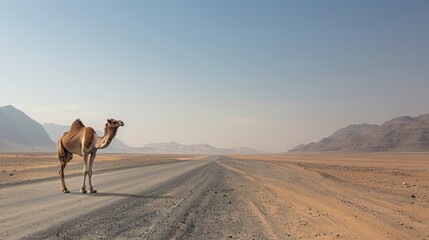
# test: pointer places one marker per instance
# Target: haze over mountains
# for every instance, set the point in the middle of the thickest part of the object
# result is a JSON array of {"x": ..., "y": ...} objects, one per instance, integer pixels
[
  {"x": 173, "y": 147},
  {"x": 20, "y": 133},
  {"x": 399, "y": 134},
  {"x": 55, "y": 131}
]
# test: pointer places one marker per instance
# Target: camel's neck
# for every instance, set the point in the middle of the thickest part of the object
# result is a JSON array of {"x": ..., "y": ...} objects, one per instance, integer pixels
[{"x": 106, "y": 139}]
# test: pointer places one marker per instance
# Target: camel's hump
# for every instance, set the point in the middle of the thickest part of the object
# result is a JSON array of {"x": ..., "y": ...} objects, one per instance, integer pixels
[{"x": 76, "y": 125}]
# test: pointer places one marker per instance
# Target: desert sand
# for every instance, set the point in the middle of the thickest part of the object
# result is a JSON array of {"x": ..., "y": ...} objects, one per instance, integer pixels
[
  {"x": 284, "y": 196},
  {"x": 352, "y": 196}
]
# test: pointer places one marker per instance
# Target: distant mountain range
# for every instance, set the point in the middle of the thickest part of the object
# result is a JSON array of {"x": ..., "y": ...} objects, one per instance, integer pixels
[
  {"x": 399, "y": 134},
  {"x": 173, "y": 147},
  {"x": 20, "y": 133}
]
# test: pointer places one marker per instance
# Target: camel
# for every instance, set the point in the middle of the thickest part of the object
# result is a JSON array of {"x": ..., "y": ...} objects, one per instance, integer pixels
[{"x": 83, "y": 141}]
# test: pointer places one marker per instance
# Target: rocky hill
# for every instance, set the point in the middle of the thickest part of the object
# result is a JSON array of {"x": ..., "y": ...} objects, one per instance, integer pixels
[
  {"x": 399, "y": 134},
  {"x": 20, "y": 133}
]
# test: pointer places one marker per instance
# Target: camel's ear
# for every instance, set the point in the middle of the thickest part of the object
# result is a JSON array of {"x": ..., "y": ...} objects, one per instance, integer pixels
[{"x": 110, "y": 120}]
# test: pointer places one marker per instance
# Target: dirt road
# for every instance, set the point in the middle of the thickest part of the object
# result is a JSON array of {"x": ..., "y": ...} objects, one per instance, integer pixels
[
  {"x": 216, "y": 198},
  {"x": 30, "y": 208}
]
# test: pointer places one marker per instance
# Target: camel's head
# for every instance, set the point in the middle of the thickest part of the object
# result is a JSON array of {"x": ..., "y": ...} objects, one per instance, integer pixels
[{"x": 112, "y": 123}]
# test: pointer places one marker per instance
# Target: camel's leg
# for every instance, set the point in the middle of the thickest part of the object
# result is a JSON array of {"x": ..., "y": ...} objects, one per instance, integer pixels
[
  {"x": 63, "y": 157},
  {"x": 68, "y": 157},
  {"x": 63, "y": 165},
  {"x": 91, "y": 161},
  {"x": 85, "y": 172}
]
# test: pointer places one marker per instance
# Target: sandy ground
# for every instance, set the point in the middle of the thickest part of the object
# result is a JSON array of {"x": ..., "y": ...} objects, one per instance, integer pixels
[
  {"x": 350, "y": 196},
  {"x": 291, "y": 196}
]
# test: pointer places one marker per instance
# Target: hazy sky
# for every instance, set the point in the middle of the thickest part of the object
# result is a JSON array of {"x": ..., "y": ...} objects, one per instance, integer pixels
[{"x": 262, "y": 74}]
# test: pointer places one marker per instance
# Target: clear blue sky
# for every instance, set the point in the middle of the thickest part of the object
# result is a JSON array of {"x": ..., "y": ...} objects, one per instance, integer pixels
[{"x": 262, "y": 74}]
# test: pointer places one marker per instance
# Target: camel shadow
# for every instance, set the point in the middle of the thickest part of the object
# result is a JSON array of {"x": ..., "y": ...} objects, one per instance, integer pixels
[{"x": 125, "y": 195}]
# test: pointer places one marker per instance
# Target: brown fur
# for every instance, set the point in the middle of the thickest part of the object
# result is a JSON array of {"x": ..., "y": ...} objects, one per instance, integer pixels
[{"x": 89, "y": 137}]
